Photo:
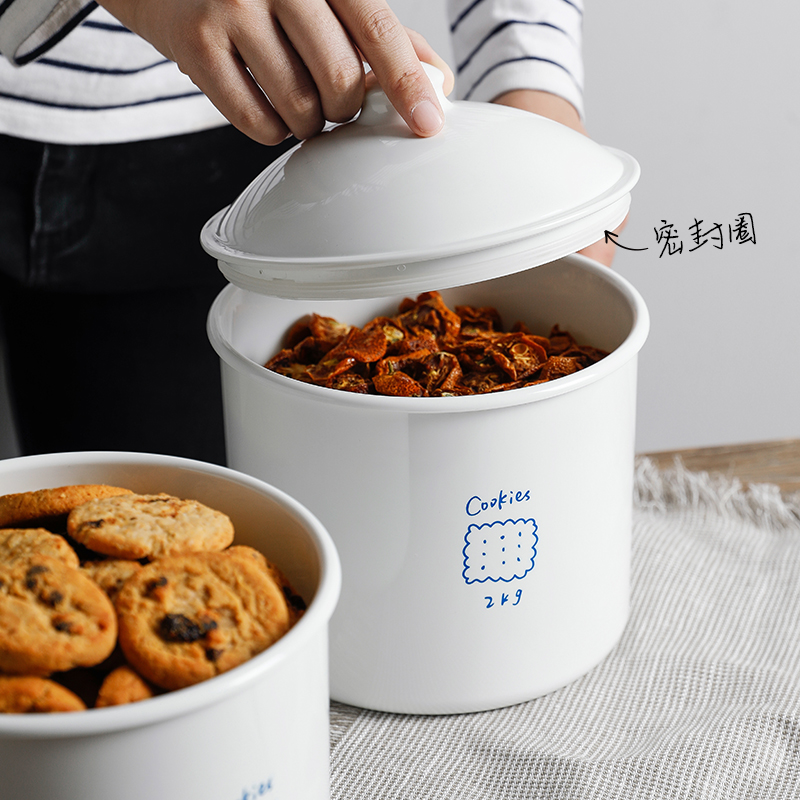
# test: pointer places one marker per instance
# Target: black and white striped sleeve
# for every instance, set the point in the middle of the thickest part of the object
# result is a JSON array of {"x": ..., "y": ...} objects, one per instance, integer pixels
[
  {"x": 500, "y": 45},
  {"x": 29, "y": 28}
]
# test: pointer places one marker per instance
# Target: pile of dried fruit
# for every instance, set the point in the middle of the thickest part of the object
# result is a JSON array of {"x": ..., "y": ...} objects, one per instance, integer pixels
[{"x": 427, "y": 350}]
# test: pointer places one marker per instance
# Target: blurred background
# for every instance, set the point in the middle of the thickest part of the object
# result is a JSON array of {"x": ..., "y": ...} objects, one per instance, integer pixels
[{"x": 705, "y": 95}]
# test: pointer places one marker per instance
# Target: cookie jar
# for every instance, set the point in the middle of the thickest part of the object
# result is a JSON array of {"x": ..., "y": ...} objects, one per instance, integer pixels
[
  {"x": 261, "y": 729},
  {"x": 421, "y": 495}
]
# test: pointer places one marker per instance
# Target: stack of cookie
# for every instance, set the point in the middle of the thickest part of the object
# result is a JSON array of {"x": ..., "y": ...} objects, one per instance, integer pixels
[{"x": 109, "y": 597}]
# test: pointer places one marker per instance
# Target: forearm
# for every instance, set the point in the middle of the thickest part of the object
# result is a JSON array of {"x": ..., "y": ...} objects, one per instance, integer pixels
[{"x": 545, "y": 104}]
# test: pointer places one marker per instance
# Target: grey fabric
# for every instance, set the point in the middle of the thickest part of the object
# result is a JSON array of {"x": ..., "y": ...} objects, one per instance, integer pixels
[{"x": 699, "y": 700}]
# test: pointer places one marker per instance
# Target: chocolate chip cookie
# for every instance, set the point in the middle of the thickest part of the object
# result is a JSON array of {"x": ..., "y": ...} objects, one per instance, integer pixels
[
  {"x": 184, "y": 619},
  {"x": 28, "y": 695},
  {"x": 52, "y": 618},
  {"x": 43, "y": 503},
  {"x": 20, "y": 544},
  {"x": 148, "y": 526},
  {"x": 122, "y": 686},
  {"x": 296, "y": 603}
]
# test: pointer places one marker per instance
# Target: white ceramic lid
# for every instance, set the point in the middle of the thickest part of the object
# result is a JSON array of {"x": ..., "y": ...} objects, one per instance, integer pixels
[{"x": 368, "y": 209}]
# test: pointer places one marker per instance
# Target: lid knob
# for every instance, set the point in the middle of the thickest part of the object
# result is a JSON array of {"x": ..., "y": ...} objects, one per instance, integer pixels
[{"x": 377, "y": 110}]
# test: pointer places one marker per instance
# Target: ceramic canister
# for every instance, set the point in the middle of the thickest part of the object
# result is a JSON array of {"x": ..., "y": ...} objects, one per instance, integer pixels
[
  {"x": 258, "y": 730},
  {"x": 485, "y": 540},
  {"x": 439, "y": 611}
]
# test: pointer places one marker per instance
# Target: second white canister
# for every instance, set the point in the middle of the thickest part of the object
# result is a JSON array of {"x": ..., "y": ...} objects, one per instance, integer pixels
[{"x": 484, "y": 540}]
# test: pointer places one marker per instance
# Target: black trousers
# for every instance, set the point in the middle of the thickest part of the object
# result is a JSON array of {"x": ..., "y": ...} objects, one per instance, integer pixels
[{"x": 105, "y": 290}]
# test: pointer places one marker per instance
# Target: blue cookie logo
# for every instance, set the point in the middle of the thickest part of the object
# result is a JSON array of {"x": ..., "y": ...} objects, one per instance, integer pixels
[{"x": 499, "y": 551}]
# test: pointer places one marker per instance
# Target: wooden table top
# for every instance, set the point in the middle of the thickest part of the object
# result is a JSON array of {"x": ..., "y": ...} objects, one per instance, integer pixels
[{"x": 775, "y": 462}]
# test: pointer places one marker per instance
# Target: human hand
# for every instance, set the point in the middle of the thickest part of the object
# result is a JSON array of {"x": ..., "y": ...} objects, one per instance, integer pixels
[
  {"x": 280, "y": 67},
  {"x": 558, "y": 109}
]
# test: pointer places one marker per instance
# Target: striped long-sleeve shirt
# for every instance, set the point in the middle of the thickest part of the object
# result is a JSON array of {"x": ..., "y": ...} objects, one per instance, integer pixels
[
  {"x": 500, "y": 45},
  {"x": 72, "y": 74}
]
